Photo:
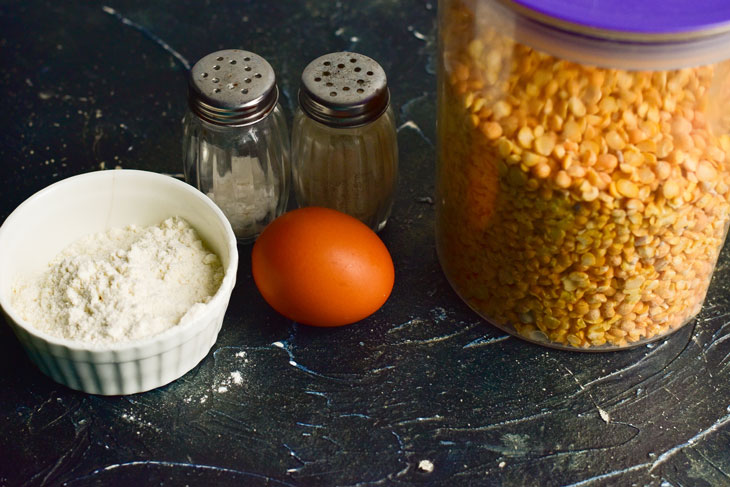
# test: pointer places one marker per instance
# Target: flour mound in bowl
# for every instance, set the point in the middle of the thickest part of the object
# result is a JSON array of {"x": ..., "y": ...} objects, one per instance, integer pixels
[{"x": 122, "y": 285}]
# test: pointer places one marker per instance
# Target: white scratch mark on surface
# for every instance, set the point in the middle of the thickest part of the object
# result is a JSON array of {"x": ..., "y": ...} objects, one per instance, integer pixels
[
  {"x": 718, "y": 341},
  {"x": 601, "y": 412},
  {"x": 482, "y": 341},
  {"x": 294, "y": 363},
  {"x": 436, "y": 417},
  {"x": 661, "y": 459},
  {"x": 414, "y": 321},
  {"x": 672, "y": 451},
  {"x": 608, "y": 475},
  {"x": 639, "y": 363},
  {"x": 410, "y": 124},
  {"x": 428, "y": 341},
  {"x": 177, "y": 465},
  {"x": 417, "y": 34},
  {"x": 164, "y": 45},
  {"x": 498, "y": 425}
]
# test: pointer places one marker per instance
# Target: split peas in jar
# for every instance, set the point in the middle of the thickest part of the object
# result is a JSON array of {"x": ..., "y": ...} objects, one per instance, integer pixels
[{"x": 578, "y": 206}]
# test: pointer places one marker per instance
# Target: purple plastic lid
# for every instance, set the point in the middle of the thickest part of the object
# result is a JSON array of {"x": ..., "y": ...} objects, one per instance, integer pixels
[{"x": 637, "y": 16}]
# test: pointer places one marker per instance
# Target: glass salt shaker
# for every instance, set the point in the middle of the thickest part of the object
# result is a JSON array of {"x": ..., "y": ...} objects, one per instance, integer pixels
[
  {"x": 235, "y": 140},
  {"x": 344, "y": 148}
]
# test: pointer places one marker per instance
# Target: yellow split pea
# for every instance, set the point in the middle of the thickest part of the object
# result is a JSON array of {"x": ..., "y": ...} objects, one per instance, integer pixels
[{"x": 584, "y": 204}]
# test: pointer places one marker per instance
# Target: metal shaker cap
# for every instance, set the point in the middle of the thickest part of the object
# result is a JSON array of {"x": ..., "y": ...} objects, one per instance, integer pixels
[
  {"x": 344, "y": 89},
  {"x": 232, "y": 87}
]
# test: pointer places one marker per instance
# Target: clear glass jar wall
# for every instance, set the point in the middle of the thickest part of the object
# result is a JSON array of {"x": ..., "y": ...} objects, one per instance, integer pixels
[{"x": 578, "y": 206}]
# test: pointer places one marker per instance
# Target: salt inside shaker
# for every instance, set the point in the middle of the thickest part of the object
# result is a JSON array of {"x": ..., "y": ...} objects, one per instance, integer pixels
[
  {"x": 235, "y": 139},
  {"x": 344, "y": 149}
]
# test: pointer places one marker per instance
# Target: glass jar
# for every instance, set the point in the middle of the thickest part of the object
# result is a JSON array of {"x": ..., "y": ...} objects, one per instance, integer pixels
[
  {"x": 583, "y": 186},
  {"x": 344, "y": 148},
  {"x": 235, "y": 139}
]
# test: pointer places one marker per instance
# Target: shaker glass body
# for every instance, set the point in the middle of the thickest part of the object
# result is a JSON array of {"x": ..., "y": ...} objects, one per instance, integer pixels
[
  {"x": 244, "y": 170},
  {"x": 350, "y": 169}
]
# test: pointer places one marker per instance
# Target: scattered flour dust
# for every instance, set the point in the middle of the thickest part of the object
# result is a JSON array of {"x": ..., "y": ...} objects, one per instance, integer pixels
[
  {"x": 235, "y": 378},
  {"x": 225, "y": 381},
  {"x": 122, "y": 285}
]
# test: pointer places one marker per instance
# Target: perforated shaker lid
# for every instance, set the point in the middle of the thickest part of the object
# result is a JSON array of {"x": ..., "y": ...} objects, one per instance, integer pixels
[
  {"x": 344, "y": 89},
  {"x": 232, "y": 87},
  {"x": 648, "y": 17}
]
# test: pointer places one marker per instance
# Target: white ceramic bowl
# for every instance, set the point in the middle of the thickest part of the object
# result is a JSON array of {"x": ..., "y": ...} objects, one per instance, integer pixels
[{"x": 58, "y": 215}]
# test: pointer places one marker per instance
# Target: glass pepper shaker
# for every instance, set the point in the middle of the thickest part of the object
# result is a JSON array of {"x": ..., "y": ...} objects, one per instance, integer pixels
[
  {"x": 235, "y": 139},
  {"x": 344, "y": 148}
]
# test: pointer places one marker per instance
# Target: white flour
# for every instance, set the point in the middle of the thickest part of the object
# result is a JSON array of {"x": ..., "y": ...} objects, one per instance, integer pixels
[
  {"x": 122, "y": 285},
  {"x": 245, "y": 194}
]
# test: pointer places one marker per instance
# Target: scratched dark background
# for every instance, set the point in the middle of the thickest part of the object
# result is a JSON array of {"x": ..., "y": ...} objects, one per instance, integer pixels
[{"x": 423, "y": 392}]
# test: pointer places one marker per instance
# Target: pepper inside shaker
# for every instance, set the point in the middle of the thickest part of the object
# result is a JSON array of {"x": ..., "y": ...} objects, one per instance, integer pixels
[
  {"x": 235, "y": 139},
  {"x": 344, "y": 148}
]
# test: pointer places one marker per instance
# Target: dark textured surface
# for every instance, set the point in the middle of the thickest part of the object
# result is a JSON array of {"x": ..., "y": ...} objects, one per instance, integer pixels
[{"x": 423, "y": 379}]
